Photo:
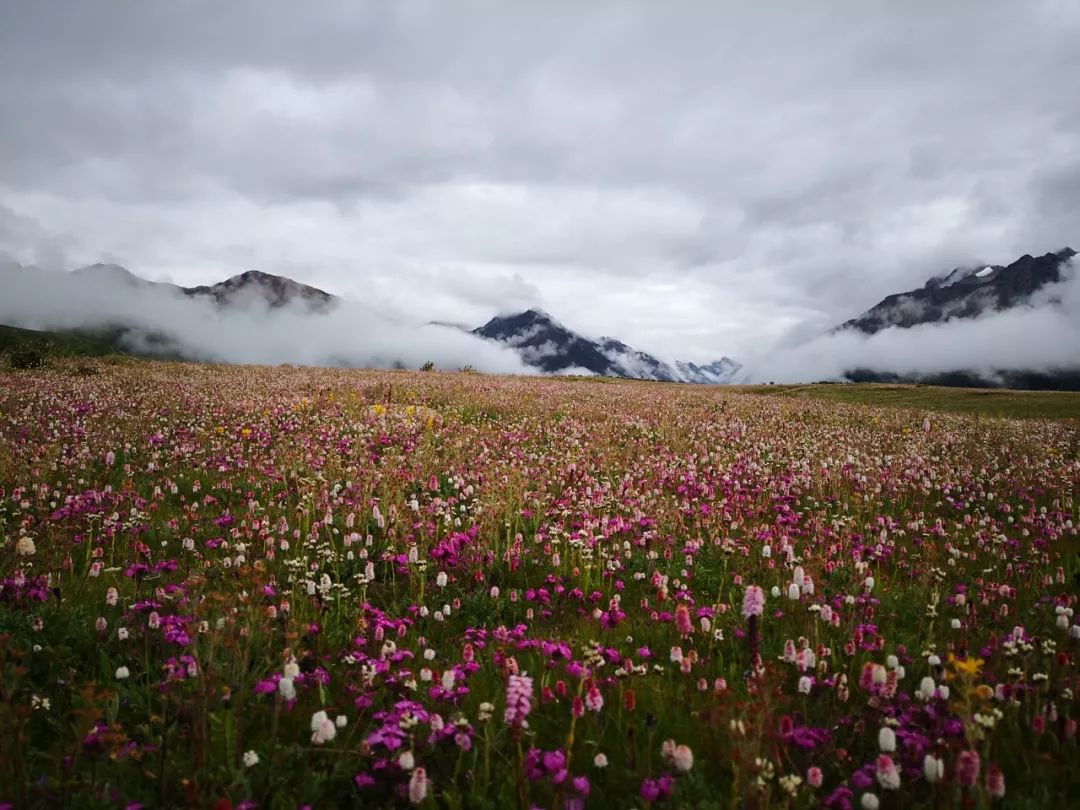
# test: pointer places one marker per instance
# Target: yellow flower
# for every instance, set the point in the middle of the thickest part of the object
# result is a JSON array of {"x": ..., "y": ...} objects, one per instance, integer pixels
[{"x": 967, "y": 666}]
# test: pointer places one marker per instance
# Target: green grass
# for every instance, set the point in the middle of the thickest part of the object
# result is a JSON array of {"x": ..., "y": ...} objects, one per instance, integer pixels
[
  {"x": 982, "y": 401},
  {"x": 58, "y": 344}
]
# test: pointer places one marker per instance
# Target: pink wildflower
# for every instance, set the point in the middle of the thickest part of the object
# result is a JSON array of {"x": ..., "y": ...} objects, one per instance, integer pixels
[
  {"x": 683, "y": 623},
  {"x": 519, "y": 693},
  {"x": 967, "y": 768},
  {"x": 594, "y": 701},
  {"x": 888, "y": 776},
  {"x": 418, "y": 786},
  {"x": 753, "y": 601}
]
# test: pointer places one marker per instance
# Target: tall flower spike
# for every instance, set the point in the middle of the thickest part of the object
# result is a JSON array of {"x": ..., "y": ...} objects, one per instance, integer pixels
[
  {"x": 753, "y": 603},
  {"x": 519, "y": 693}
]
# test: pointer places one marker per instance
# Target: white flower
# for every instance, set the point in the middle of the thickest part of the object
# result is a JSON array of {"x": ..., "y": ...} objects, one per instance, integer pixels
[
  {"x": 251, "y": 759},
  {"x": 927, "y": 688},
  {"x": 682, "y": 758},
  {"x": 122, "y": 673},
  {"x": 793, "y": 591},
  {"x": 25, "y": 547},
  {"x": 418, "y": 786},
  {"x": 870, "y": 802},
  {"x": 406, "y": 761},
  {"x": 440, "y": 579},
  {"x": 341, "y": 721},
  {"x": 933, "y": 768},
  {"x": 291, "y": 670},
  {"x": 286, "y": 688},
  {"x": 805, "y": 684},
  {"x": 886, "y": 739},
  {"x": 322, "y": 728},
  {"x": 600, "y": 761}
]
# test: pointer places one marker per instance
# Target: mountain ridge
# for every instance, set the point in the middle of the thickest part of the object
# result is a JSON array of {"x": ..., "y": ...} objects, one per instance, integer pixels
[
  {"x": 545, "y": 343},
  {"x": 968, "y": 293}
]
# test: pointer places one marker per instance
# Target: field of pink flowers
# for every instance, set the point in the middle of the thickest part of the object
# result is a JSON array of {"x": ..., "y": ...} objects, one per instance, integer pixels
[{"x": 278, "y": 588}]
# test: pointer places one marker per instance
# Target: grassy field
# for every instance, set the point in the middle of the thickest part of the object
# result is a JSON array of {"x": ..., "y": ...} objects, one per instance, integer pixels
[
  {"x": 56, "y": 344},
  {"x": 245, "y": 587},
  {"x": 983, "y": 401}
]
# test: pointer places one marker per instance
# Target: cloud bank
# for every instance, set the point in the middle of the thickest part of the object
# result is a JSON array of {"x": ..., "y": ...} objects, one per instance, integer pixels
[
  {"x": 698, "y": 179},
  {"x": 349, "y": 335},
  {"x": 1043, "y": 335}
]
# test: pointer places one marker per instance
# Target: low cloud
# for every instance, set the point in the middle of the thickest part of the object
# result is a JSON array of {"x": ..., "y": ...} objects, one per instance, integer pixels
[
  {"x": 160, "y": 318},
  {"x": 1043, "y": 335}
]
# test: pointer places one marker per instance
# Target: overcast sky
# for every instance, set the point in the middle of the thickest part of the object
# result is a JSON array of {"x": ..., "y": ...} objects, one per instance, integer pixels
[{"x": 699, "y": 179}]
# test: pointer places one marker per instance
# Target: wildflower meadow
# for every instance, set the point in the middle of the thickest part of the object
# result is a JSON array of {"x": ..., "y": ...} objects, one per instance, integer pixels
[{"x": 235, "y": 587}]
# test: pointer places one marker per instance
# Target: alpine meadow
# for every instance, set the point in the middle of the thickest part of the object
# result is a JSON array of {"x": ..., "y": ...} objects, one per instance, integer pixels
[
  {"x": 539, "y": 405},
  {"x": 275, "y": 587}
]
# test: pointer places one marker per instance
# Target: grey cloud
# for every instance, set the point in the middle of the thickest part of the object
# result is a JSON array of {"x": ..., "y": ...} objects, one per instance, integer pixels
[
  {"x": 1041, "y": 336},
  {"x": 349, "y": 335},
  {"x": 708, "y": 177}
]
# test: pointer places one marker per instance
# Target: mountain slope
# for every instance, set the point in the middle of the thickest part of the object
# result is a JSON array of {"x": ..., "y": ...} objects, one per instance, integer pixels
[
  {"x": 968, "y": 293},
  {"x": 548, "y": 345},
  {"x": 964, "y": 293},
  {"x": 275, "y": 291},
  {"x": 244, "y": 289}
]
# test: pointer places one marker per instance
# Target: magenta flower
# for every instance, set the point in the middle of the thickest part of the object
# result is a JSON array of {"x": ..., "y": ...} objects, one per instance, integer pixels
[{"x": 967, "y": 768}]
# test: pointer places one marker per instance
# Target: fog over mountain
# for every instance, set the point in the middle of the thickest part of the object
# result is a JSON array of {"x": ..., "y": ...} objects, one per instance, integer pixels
[
  {"x": 991, "y": 324},
  {"x": 252, "y": 325},
  {"x": 909, "y": 337}
]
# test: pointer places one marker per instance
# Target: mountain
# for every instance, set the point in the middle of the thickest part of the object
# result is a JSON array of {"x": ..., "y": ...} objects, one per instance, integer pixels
[
  {"x": 276, "y": 291},
  {"x": 546, "y": 344},
  {"x": 964, "y": 293},
  {"x": 239, "y": 291},
  {"x": 721, "y": 372},
  {"x": 629, "y": 362}
]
